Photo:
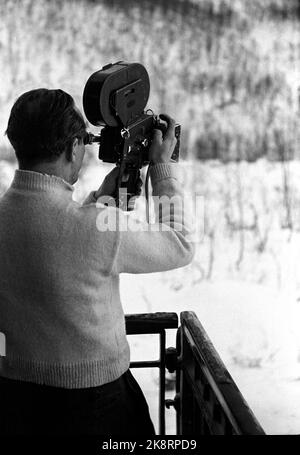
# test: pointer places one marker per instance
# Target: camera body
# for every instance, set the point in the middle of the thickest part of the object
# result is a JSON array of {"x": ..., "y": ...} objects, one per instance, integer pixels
[
  {"x": 115, "y": 98},
  {"x": 137, "y": 138}
]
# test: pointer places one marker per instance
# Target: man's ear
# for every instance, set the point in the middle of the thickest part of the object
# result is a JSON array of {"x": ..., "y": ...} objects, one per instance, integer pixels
[{"x": 74, "y": 149}]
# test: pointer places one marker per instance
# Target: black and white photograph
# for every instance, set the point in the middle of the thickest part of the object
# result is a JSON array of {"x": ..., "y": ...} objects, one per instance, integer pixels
[{"x": 149, "y": 220}]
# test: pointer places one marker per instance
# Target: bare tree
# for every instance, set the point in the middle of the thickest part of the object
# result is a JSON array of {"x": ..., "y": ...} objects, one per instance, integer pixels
[{"x": 286, "y": 187}]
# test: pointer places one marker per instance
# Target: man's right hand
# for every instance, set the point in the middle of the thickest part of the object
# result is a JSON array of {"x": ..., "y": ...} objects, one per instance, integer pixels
[{"x": 162, "y": 146}]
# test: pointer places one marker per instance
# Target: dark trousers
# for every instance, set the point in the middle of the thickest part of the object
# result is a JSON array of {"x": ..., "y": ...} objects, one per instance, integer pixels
[{"x": 116, "y": 408}]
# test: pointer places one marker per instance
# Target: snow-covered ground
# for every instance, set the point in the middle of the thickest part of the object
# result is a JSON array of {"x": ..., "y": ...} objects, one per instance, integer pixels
[{"x": 247, "y": 297}]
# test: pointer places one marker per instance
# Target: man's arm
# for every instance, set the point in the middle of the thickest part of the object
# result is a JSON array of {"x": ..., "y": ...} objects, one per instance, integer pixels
[{"x": 165, "y": 245}]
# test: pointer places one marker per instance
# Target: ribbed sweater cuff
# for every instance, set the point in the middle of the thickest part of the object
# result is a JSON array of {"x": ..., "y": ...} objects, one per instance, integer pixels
[{"x": 162, "y": 171}]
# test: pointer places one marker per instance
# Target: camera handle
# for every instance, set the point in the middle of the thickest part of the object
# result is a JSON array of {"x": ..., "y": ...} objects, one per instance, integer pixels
[{"x": 128, "y": 183}]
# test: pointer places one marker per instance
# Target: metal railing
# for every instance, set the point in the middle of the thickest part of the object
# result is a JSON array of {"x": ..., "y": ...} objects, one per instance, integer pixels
[
  {"x": 207, "y": 400},
  {"x": 137, "y": 324}
]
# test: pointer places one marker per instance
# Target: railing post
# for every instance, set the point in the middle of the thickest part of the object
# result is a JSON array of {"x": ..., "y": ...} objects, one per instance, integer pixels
[
  {"x": 162, "y": 380},
  {"x": 186, "y": 402},
  {"x": 155, "y": 323},
  {"x": 178, "y": 381}
]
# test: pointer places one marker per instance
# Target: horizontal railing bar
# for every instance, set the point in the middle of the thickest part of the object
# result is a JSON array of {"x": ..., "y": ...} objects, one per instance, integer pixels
[
  {"x": 146, "y": 364},
  {"x": 145, "y": 323}
]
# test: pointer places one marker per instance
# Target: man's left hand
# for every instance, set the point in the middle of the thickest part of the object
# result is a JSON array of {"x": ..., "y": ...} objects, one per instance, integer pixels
[{"x": 109, "y": 185}]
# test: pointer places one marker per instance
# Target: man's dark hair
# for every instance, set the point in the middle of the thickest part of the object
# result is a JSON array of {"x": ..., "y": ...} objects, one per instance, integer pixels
[{"x": 43, "y": 124}]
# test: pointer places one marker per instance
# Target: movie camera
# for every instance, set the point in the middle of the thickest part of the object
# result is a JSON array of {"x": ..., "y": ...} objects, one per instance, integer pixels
[{"x": 115, "y": 98}]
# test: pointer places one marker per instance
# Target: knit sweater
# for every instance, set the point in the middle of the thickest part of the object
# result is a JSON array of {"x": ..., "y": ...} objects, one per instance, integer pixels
[{"x": 60, "y": 307}]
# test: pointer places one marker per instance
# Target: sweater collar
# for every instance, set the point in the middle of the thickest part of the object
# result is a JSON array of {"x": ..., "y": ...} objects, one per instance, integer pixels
[{"x": 31, "y": 180}]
